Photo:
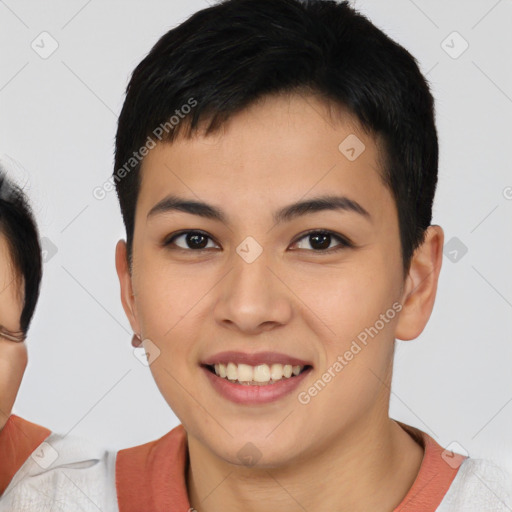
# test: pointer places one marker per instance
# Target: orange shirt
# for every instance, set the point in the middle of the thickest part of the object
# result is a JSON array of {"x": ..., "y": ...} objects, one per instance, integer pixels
[{"x": 152, "y": 477}]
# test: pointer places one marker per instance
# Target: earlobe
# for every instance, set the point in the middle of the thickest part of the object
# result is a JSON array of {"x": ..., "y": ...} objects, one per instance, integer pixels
[
  {"x": 136, "y": 341},
  {"x": 421, "y": 285},
  {"x": 125, "y": 282}
]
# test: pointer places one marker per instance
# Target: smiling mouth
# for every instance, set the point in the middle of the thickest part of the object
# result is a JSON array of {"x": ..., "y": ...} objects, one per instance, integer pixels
[{"x": 260, "y": 375}]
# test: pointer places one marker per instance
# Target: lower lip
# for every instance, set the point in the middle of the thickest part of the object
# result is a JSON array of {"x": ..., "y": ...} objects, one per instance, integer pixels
[{"x": 251, "y": 395}]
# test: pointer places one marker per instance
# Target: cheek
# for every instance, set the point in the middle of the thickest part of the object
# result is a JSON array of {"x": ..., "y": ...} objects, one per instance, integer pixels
[
  {"x": 167, "y": 304},
  {"x": 166, "y": 295},
  {"x": 356, "y": 368},
  {"x": 359, "y": 304},
  {"x": 11, "y": 307},
  {"x": 13, "y": 361},
  {"x": 348, "y": 299}
]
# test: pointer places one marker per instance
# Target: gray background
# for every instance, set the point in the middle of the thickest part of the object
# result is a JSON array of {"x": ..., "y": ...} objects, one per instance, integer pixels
[{"x": 57, "y": 125}]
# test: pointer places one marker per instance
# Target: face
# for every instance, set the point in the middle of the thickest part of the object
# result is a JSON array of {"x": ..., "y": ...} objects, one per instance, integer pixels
[
  {"x": 13, "y": 356},
  {"x": 305, "y": 287}
]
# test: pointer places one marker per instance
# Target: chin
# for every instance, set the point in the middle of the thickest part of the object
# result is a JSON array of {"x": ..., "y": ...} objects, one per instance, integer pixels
[{"x": 257, "y": 451}]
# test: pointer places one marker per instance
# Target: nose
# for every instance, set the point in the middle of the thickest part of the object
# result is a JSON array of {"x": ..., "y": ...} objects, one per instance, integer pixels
[{"x": 252, "y": 297}]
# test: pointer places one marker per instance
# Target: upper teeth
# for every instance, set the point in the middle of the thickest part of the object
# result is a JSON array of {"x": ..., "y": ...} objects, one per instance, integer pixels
[{"x": 259, "y": 373}]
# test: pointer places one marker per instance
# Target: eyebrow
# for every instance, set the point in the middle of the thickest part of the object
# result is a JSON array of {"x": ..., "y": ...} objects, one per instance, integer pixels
[{"x": 327, "y": 202}]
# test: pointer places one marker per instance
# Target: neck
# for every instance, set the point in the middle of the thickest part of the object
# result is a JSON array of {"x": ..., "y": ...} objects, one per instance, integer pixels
[{"x": 370, "y": 467}]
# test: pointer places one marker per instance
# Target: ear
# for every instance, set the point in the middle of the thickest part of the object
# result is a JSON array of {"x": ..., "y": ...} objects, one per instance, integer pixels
[
  {"x": 421, "y": 285},
  {"x": 125, "y": 282}
]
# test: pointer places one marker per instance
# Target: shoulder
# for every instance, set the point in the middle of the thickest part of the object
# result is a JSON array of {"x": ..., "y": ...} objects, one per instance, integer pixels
[
  {"x": 63, "y": 472},
  {"x": 18, "y": 439},
  {"x": 152, "y": 476},
  {"x": 480, "y": 484}
]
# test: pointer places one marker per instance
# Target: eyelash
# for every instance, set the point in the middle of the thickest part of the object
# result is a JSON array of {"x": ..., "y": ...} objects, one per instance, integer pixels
[{"x": 345, "y": 243}]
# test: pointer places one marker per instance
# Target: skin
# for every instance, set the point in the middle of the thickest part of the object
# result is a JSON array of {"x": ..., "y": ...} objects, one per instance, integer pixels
[
  {"x": 341, "y": 451},
  {"x": 13, "y": 356}
]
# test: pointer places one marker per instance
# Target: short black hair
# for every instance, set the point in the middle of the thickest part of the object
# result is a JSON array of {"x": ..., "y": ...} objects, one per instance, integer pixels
[
  {"x": 229, "y": 55},
  {"x": 19, "y": 227}
]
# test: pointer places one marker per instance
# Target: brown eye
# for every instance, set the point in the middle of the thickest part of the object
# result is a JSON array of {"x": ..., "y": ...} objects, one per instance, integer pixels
[
  {"x": 320, "y": 241},
  {"x": 194, "y": 240}
]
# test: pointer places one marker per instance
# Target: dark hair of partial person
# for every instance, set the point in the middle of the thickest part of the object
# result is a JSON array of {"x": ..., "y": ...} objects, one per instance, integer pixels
[
  {"x": 235, "y": 52},
  {"x": 18, "y": 226}
]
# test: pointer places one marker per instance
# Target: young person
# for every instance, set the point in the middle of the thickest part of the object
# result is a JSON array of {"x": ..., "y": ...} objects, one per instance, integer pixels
[
  {"x": 276, "y": 163},
  {"x": 20, "y": 277},
  {"x": 31, "y": 456}
]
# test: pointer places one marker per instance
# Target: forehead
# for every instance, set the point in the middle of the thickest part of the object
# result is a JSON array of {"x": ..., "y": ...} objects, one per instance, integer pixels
[{"x": 280, "y": 146}]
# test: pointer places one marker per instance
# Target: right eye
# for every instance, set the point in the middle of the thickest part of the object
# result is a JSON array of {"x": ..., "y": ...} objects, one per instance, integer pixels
[{"x": 190, "y": 240}]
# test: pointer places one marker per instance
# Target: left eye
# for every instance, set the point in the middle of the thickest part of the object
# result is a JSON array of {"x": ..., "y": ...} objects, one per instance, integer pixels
[{"x": 321, "y": 240}]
